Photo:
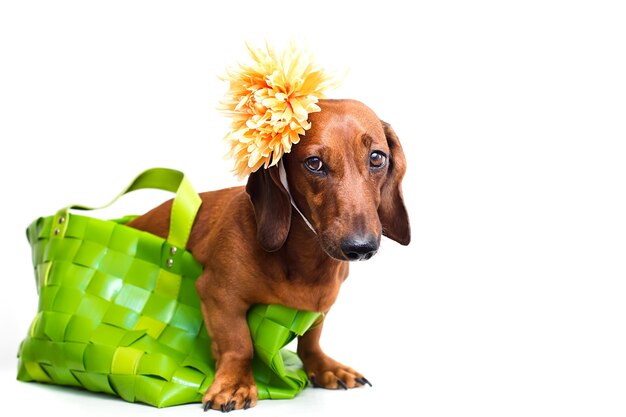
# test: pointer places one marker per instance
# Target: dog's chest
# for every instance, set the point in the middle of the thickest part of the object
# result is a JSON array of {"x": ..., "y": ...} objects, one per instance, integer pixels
[{"x": 310, "y": 289}]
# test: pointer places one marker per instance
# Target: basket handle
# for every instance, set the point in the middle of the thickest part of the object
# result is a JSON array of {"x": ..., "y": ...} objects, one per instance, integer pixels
[{"x": 184, "y": 208}]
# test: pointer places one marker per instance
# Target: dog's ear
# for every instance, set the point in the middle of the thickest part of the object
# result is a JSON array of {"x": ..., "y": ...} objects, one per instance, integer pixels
[
  {"x": 392, "y": 212},
  {"x": 272, "y": 208}
]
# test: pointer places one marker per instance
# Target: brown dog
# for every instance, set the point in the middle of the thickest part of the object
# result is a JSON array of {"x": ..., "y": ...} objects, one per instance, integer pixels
[{"x": 345, "y": 177}]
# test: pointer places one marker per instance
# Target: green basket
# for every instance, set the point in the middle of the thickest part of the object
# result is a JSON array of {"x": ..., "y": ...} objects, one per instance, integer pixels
[{"x": 119, "y": 313}]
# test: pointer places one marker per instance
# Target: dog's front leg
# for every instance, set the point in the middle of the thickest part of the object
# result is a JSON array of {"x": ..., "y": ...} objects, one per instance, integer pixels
[
  {"x": 324, "y": 371},
  {"x": 225, "y": 318}
]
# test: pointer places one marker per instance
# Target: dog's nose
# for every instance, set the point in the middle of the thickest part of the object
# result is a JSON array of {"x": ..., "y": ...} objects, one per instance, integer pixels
[{"x": 359, "y": 248}]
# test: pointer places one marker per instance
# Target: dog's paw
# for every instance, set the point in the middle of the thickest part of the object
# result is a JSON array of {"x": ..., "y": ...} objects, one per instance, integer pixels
[
  {"x": 227, "y": 396},
  {"x": 325, "y": 372}
]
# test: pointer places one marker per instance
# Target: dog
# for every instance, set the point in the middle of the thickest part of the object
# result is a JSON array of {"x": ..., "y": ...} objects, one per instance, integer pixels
[{"x": 289, "y": 241}]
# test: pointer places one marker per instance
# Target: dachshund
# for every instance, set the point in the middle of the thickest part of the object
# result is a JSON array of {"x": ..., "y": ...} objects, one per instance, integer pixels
[{"x": 286, "y": 238}]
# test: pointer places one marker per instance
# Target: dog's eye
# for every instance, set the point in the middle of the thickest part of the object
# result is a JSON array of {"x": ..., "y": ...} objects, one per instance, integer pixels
[
  {"x": 377, "y": 159},
  {"x": 314, "y": 164}
]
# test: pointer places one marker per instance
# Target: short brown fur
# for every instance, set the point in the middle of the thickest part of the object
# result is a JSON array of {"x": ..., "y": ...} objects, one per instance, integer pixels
[{"x": 257, "y": 250}]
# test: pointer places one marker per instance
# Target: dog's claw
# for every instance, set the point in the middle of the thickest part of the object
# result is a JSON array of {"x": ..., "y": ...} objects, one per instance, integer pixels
[
  {"x": 342, "y": 384},
  {"x": 227, "y": 408},
  {"x": 207, "y": 406},
  {"x": 314, "y": 381},
  {"x": 363, "y": 381},
  {"x": 247, "y": 404}
]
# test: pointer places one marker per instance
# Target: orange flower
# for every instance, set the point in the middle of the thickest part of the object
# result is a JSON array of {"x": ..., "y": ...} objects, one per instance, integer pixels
[{"x": 269, "y": 101}]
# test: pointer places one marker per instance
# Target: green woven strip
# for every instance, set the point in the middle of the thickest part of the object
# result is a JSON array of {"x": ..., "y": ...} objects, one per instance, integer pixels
[
  {"x": 114, "y": 317},
  {"x": 184, "y": 208}
]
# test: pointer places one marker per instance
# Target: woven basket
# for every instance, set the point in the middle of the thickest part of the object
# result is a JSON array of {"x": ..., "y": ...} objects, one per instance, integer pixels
[{"x": 118, "y": 310}]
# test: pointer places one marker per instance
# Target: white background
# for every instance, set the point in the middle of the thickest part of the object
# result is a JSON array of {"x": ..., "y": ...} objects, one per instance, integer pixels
[{"x": 510, "y": 300}]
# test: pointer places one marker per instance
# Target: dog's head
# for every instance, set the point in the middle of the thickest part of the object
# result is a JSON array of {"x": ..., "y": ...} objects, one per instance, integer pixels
[{"x": 345, "y": 177}]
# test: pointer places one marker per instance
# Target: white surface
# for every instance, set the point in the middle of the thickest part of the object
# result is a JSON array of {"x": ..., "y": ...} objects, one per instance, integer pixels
[{"x": 510, "y": 299}]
